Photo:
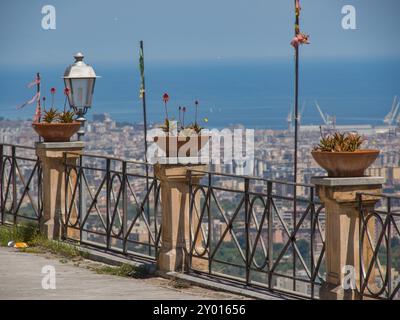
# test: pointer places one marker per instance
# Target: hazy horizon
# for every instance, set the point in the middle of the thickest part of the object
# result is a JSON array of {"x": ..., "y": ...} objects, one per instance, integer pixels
[{"x": 184, "y": 30}]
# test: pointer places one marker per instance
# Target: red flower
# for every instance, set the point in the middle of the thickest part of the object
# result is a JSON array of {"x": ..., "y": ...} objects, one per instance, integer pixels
[
  {"x": 53, "y": 90},
  {"x": 66, "y": 91},
  {"x": 44, "y": 98},
  {"x": 184, "y": 109},
  {"x": 196, "y": 102},
  {"x": 165, "y": 97}
]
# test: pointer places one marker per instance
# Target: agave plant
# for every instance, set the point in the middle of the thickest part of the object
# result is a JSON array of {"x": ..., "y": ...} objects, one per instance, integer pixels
[
  {"x": 167, "y": 126},
  {"x": 340, "y": 142},
  {"x": 66, "y": 117},
  {"x": 50, "y": 115},
  {"x": 195, "y": 127}
]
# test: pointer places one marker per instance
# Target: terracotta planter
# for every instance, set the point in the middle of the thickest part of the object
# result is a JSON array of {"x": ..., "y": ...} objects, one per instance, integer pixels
[
  {"x": 172, "y": 144},
  {"x": 345, "y": 164},
  {"x": 56, "y": 132}
]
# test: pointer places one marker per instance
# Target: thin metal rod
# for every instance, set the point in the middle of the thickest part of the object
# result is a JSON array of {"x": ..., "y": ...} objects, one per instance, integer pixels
[
  {"x": 38, "y": 101},
  {"x": 144, "y": 100},
  {"x": 296, "y": 132},
  {"x": 143, "y": 86}
]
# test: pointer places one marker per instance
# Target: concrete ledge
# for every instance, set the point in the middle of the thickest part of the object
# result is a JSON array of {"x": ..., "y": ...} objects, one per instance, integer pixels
[
  {"x": 150, "y": 267},
  {"x": 116, "y": 260},
  {"x": 219, "y": 285},
  {"x": 60, "y": 145},
  {"x": 183, "y": 160},
  {"x": 353, "y": 181}
]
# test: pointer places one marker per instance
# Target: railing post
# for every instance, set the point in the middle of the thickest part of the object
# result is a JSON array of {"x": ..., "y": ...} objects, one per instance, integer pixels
[
  {"x": 108, "y": 202},
  {"x": 176, "y": 246},
  {"x": 210, "y": 226},
  {"x": 191, "y": 205},
  {"x": 312, "y": 234},
  {"x": 389, "y": 249},
  {"x": 40, "y": 191},
  {"x": 360, "y": 232},
  {"x": 14, "y": 188},
  {"x": 64, "y": 222},
  {"x": 247, "y": 226},
  {"x": 51, "y": 156},
  {"x": 270, "y": 234},
  {"x": 342, "y": 231},
  {"x": 125, "y": 207},
  {"x": 1, "y": 183},
  {"x": 81, "y": 199}
]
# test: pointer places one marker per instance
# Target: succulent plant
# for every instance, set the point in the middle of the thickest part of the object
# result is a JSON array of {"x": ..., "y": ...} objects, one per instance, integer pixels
[
  {"x": 66, "y": 117},
  {"x": 195, "y": 127},
  {"x": 168, "y": 126},
  {"x": 50, "y": 115},
  {"x": 340, "y": 142}
]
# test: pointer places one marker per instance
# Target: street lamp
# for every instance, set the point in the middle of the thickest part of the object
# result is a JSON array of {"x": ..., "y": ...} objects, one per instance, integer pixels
[{"x": 79, "y": 79}]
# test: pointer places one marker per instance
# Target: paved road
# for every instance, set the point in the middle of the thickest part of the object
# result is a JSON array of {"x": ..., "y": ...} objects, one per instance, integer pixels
[{"x": 21, "y": 278}]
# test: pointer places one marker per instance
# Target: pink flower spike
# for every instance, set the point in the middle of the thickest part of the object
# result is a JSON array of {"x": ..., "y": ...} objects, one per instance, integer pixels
[{"x": 295, "y": 42}]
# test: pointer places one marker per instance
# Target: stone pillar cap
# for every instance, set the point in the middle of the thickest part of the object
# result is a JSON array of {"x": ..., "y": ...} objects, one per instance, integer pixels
[
  {"x": 351, "y": 181},
  {"x": 60, "y": 145}
]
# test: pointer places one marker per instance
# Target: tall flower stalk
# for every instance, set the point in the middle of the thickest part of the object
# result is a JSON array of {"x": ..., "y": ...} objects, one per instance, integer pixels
[
  {"x": 180, "y": 116},
  {"x": 44, "y": 103},
  {"x": 166, "y": 99},
  {"x": 183, "y": 116},
  {"x": 196, "y": 103},
  {"x": 53, "y": 92},
  {"x": 66, "y": 93}
]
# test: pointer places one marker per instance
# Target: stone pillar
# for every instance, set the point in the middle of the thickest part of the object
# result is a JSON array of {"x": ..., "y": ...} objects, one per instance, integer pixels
[
  {"x": 51, "y": 155},
  {"x": 174, "y": 179},
  {"x": 342, "y": 236}
]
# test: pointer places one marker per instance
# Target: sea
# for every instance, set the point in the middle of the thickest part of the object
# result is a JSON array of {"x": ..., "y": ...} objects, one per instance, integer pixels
[{"x": 256, "y": 94}]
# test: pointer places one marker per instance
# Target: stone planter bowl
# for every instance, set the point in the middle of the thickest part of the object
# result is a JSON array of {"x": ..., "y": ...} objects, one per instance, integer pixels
[
  {"x": 345, "y": 164},
  {"x": 172, "y": 144},
  {"x": 56, "y": 132}
]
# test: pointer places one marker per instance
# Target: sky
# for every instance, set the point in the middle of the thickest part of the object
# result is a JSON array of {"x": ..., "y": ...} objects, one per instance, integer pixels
[{"x": 108, "y": 32}]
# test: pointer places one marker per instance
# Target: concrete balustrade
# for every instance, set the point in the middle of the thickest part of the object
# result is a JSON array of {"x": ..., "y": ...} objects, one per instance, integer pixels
[
  {"x": 339, "y": 195},
  {"x": 342, "y": 236},
  {"x": 51, "y": 155},
  {"x": 175, "y": 237}
]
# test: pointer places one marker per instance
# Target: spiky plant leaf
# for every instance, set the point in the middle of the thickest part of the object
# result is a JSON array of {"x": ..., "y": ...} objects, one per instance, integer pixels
[
  {"x": 340, "y": 142},
  {"x": 66, "y": 117},
  {"x": 50, "y": 116}
]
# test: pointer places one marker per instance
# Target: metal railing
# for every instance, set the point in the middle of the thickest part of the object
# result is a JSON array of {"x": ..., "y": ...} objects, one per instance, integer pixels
[
  {"x": 245, "y": 229},
  {"x": 110, "y": 203},
  {"x": 20, "y": 185},
  {"x": 379, "y": 246}
]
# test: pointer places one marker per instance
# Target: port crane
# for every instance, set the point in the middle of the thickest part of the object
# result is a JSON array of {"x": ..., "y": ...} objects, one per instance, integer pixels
[
  {"x": 329, "y": 121},
  {"x": 291, "y": 115},
  {"x": 391, "y": 116}
]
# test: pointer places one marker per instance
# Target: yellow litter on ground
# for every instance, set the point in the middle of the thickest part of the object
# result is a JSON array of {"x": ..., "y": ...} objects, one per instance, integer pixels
[{"x": 20, "y": 245}]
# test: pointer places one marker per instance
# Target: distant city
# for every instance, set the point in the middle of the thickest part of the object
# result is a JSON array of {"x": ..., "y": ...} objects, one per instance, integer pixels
[{"x": 273, "y": 158}]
